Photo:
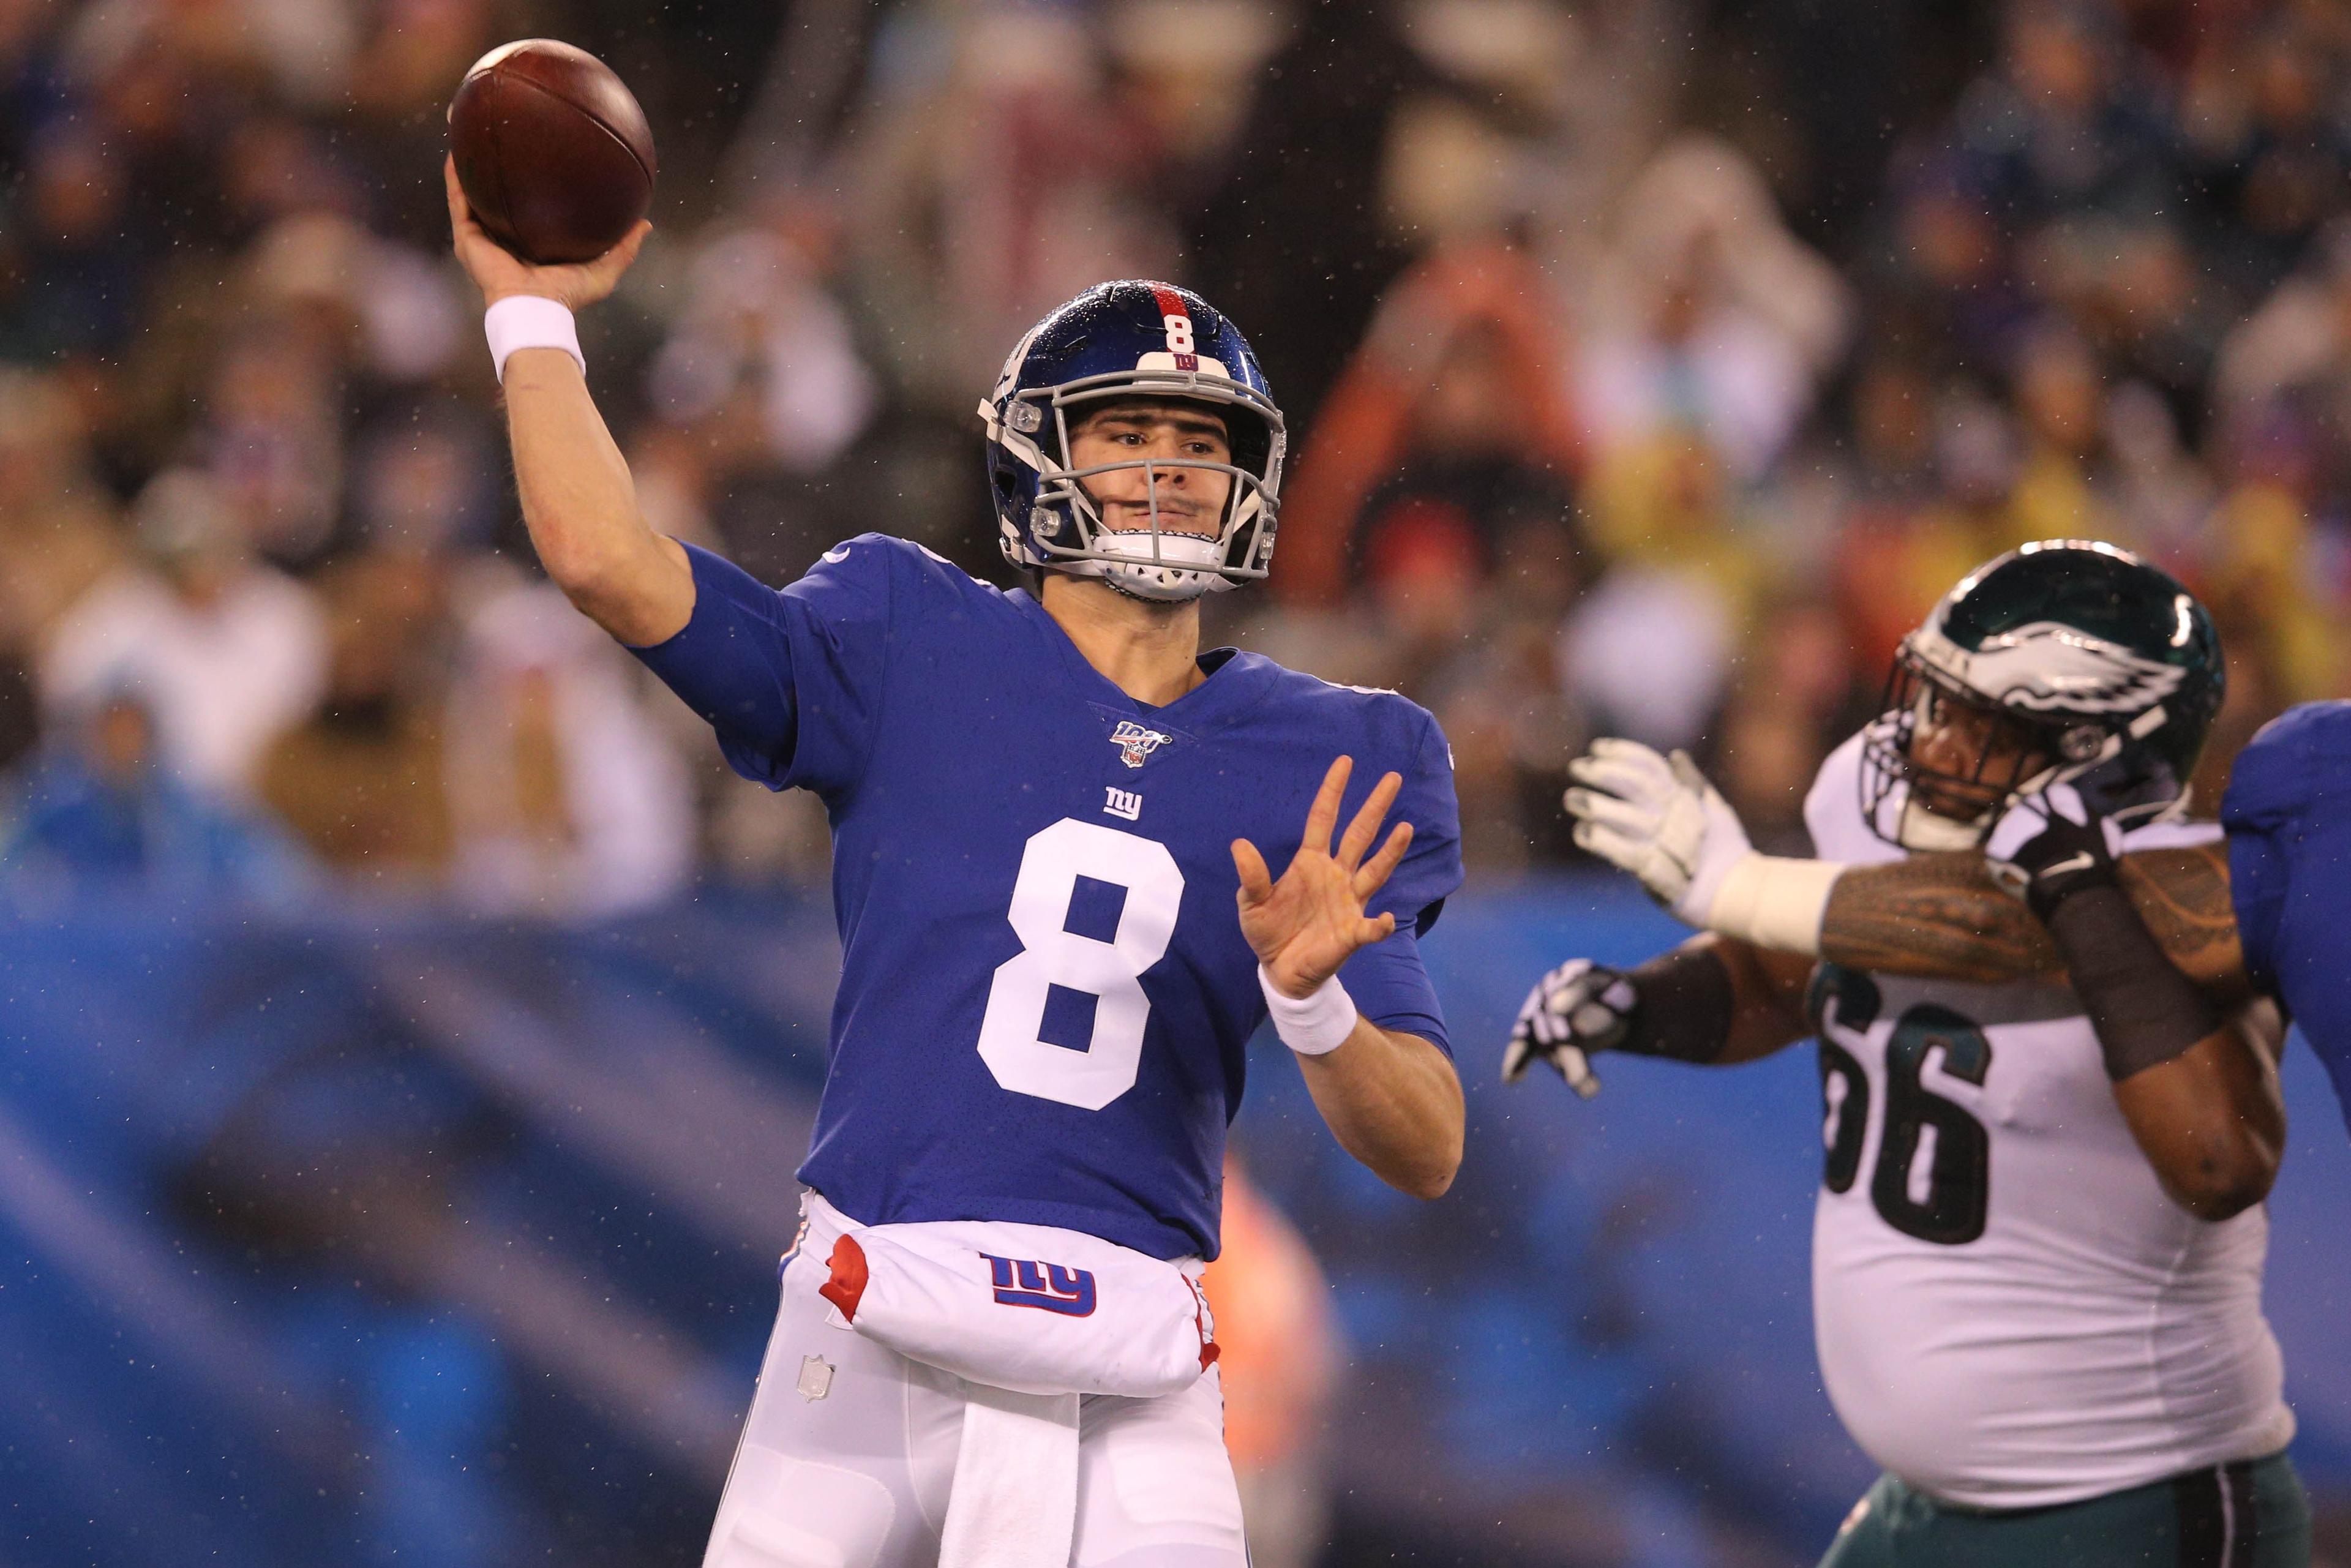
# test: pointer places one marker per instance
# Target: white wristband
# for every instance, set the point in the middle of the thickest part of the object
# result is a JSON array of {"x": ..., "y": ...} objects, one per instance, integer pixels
[
  {"x": 1775, "y": 902},
  {"x": 531, "y": 321},
  {"x": 1314, "y": 1024}
]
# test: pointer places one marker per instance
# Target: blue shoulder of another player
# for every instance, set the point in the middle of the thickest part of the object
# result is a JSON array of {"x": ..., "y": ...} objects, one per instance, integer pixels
[
  {"x": 1385, "y": 731},
  {"x": 2291, "y": 783},
  {"x": 2288, "y": 812},
  {"x": 2300, "y": 760}
]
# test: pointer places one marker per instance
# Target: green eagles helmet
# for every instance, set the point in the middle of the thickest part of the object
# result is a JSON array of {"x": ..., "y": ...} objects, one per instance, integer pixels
[{"x": 2078, "y": 662}]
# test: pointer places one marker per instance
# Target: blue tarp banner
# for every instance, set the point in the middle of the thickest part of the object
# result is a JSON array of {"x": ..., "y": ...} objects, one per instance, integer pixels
[{"x": 372, "y": 1233}]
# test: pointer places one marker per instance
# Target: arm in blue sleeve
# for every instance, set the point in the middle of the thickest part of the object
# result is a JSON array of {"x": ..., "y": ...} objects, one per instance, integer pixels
[
  {"x": 791, "y": 681},
  {"x": 1388, "y": 981},
  {"x": 1391, "y": 986},
  {"x": 1431, "y": 870}
]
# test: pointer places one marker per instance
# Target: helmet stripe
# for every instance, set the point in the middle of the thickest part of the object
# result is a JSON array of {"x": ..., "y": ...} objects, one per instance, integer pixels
[{"x": 1177, "y": 318}]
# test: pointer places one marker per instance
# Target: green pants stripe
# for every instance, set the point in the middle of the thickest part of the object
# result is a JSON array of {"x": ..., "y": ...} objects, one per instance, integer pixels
[{"x": 2251, "y": 1514}]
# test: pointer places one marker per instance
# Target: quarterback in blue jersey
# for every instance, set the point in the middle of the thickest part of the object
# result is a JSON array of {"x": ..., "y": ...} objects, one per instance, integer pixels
[{"x": 1056, "y": 823}]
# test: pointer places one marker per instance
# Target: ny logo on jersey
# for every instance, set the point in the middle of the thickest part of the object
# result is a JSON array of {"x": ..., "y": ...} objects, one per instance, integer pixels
[
  {"x": 1046, "y": 1286},
  {"x": 1135, "y": 743},
  {"x": 1123, "y": 803}
]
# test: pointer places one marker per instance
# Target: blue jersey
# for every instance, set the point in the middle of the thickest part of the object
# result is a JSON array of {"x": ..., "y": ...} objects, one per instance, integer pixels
[
  {"x": 2288, "y": 812},
  {"x": 1045, "y": 995}
]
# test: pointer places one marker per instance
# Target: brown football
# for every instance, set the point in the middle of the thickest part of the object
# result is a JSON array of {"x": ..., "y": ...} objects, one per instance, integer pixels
[{"x": 554, "y": 153}]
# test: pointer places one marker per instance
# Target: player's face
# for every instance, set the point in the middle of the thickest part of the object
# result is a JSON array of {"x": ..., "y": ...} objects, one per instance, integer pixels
[
  {"x": 1964, "y": 759},
  {"x": 1161, "y": 431}
]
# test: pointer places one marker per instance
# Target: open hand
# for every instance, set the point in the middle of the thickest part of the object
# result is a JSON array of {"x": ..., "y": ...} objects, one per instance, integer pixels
[
  {"x": 498, "y": 272},
  {"x": 1576, "y": 1011},
  {"x": 1311, "y": 921},
  {"x": 1657, "y": 818}
]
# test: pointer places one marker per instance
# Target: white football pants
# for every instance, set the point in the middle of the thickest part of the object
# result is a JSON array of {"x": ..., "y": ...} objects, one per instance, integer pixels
[{"x": 850, "y": 1450}]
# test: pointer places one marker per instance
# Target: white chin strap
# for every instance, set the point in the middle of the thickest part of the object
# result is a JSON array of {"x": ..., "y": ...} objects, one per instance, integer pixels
[
  {"x": 1923, "y": 829},
  {"x": 1178, "y": 575}
]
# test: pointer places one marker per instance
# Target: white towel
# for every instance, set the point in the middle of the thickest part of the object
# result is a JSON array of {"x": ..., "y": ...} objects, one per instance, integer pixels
[
  {"x": 1014, "y": 1503},
  {"x": 1029, "y": 1308},
  {"x": 1031, "y": 1317}
]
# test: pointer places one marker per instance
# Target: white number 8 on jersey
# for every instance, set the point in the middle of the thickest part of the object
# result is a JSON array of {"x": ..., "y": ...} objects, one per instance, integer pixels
[{"x": 1052, "y": 955}]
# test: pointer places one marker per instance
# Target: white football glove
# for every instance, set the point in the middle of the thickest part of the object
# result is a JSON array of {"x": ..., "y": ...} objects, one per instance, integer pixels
[
  {"x": 1658, "y": 818},
  {"x": 1578, "y": 1008}
]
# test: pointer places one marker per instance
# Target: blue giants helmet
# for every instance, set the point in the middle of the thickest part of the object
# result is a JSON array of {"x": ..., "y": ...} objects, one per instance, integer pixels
[{"x": 1119, "y": 341}]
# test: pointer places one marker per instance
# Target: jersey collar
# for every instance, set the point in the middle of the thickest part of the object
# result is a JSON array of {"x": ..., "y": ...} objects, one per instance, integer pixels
[{"x": 1236, "y": 680}]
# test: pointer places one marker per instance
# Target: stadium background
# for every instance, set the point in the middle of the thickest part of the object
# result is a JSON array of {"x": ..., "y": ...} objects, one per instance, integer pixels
[{"x": 410, "y": 1029}]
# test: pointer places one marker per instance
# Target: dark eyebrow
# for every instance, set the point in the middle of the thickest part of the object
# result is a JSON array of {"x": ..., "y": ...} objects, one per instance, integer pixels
[{"x": 1185, "y": 420}]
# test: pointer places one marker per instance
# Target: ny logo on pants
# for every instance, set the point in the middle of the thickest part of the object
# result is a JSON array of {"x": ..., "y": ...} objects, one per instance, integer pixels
[{"x": 1046, "y": 1286}]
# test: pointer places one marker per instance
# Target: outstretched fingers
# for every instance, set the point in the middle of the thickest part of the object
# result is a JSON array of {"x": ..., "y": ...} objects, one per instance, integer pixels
[
  {"x": 1256, "y": 883},
  {"x": 1626, "y": 771},
  {"x": 606, "y": 269},
  {"x": 1323, "y": 815},
  {"x": 1611, "y": 811},
  {"x": 461, "y": 212},
  {"x": 1375, "y": 873},
  {"x": 1368, "y": 818}
]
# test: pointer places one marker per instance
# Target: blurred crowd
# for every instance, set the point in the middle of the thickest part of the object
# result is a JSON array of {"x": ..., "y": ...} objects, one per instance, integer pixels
[{"x": 1619, "y": 403}]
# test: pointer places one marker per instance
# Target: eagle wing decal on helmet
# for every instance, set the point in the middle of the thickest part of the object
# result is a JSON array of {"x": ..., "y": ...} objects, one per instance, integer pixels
[{"x": 2050, "y": 667}]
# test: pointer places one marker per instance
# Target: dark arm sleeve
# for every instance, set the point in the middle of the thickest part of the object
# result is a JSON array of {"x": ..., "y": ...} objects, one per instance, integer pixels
[{"x": 791, "y": 681}]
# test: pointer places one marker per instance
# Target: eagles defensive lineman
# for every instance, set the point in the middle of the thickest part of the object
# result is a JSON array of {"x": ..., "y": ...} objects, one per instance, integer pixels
[
  {"x": 2038, "y": 1249},
  {"x": 1051, "y": 818},
  {"x": 2271, "y": 916}
]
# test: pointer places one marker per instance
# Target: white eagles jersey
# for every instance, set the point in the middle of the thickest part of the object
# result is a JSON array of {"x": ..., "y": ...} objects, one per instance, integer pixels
[{"x": 2010, "y": 1311}]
